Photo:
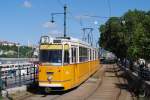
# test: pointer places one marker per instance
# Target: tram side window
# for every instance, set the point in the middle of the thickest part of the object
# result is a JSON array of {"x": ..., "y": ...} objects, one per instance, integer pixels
[
  {"x": 90, "y": 54},
  {"x": 73, "y": 52},
  {"x": 96, "y": 55},
  {"x": 83, "y": 54},
  {"x": 93, "y": 55},
  {"x": 66, "y": 56}
]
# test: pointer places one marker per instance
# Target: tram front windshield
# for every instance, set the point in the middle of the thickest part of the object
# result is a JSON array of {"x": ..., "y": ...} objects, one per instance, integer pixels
[{"x": 53, "y": 57}]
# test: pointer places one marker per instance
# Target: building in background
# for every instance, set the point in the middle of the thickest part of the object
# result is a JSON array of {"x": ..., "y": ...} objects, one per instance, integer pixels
[{"x": 7, "y": 43}]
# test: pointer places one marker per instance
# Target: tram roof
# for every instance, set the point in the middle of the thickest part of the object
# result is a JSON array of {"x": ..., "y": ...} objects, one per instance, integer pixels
[
  {"x": 75, "y": 40},
  {"x": 60, "y": 40}
]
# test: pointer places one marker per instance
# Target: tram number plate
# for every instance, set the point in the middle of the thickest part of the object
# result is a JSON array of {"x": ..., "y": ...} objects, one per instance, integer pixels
[{"x": 49, "y": 73}]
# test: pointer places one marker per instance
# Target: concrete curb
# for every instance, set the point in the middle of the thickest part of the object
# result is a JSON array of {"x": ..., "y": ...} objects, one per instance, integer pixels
[{"x": 7, "y": 92}]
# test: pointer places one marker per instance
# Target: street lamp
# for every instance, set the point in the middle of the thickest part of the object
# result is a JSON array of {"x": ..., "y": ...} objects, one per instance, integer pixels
[
  {"x": 64, "y": 13},
  {"x": 123, "y": 22}
]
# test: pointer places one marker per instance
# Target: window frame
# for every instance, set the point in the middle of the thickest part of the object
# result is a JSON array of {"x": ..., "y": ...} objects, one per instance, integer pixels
[
  {"x": 83, "y": 54},
  {"x": 74, "y": 54},
  {"x": 47, "y": 60}
]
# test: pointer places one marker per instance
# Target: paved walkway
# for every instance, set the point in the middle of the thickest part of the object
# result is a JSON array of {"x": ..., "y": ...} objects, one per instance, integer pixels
[{"x": 109, "y": 89}]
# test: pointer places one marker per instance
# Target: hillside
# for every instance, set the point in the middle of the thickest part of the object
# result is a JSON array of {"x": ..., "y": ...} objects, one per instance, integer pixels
[{"x": 15, "y": 51}]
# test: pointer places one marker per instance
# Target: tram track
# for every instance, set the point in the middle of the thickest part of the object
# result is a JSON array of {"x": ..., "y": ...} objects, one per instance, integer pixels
[
  {"x": 24, "y": 95},
  {"x": 92, "y": 87},
  {"x": 95, "y": 79},
  {"x": 99, "y": 84},
  {"x": 44, "y": 96},
  {"x": 88, "y": 87},
  {"x": 112, "y": 87}
]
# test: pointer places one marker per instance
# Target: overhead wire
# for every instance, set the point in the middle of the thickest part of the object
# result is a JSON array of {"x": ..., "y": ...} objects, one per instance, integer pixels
[
  {"x": 92, "y": 16},
  {"x": 86, "y": 15},
  {"x": 75, "y": 19},
  {"x": 80, "y": 20},
  {"x": 96, "y": 16}
]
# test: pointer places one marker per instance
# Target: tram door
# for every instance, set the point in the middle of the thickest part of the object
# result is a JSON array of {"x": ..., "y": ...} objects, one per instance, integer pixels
[{"x": 74, "y": 59}]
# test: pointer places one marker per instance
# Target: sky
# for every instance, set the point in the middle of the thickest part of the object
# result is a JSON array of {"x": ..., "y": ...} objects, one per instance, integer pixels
[{"x": 24, "y": 21}]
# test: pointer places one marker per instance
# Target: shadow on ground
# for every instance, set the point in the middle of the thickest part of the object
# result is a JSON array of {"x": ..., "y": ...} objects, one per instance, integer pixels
[
  {"x": 35, "y": 89},
  {"x": 131, "y": 85}
]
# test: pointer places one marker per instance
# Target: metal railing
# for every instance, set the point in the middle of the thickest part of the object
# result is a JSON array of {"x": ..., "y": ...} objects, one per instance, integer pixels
[
  {"x": 138, "y": 77},
  {"x": 143, "y": 73},
  {"x": 14, "y": 75}
]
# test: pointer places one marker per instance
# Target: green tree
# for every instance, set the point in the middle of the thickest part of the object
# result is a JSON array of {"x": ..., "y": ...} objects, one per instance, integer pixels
[
  {"x": 12, "y": 51},
  {"x": 128, "y": 35}
]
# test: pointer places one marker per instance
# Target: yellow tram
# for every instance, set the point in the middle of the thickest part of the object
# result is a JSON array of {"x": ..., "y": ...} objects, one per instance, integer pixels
[{"x": 65, "y": 62}]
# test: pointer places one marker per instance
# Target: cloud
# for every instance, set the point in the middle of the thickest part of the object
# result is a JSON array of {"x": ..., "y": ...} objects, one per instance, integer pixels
[
  {"x": 27, "y": 4},
  {"x": 49, "y": 25}
]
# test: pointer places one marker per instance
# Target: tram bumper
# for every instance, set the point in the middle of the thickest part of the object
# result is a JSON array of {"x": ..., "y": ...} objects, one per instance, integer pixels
[{"x": 50, "y": 85}]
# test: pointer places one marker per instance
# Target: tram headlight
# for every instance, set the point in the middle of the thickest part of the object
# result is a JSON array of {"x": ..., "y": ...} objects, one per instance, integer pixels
[{"x": 49, "y": 78}]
